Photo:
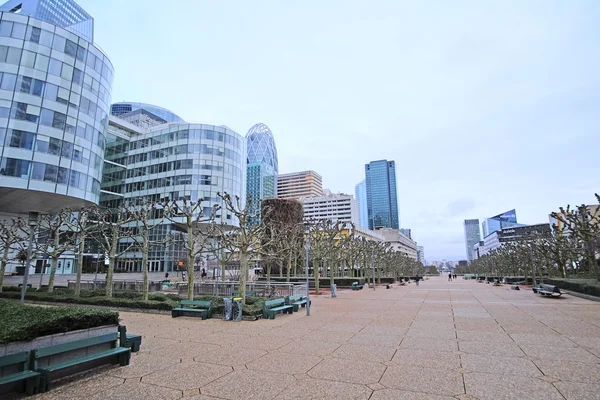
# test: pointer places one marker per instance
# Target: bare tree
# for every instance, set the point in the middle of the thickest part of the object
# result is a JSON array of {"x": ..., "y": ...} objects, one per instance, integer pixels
[
  {"x": 56, "y": 238},
  {"x": 83, "y": 223},
  {"x": 11, "y": 240},
  {"x": 198, "y": 229},
  {"x": 112, "y": 228}
]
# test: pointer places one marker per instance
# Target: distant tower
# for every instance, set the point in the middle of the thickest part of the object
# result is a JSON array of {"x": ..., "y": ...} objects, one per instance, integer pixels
[
  {"x": 262, "y": 165},
  {"x": 360, "y": 194},
  {"x": 382, "y": 200},
  {"x": 472, "y": 237}
]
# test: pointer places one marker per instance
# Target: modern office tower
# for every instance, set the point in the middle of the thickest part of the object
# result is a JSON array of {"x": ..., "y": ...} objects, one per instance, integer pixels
[
  {"x": 54, "y": 104},
  {"x": 172, "y": 161},
  {"x": 472, "y": 236},
  {"x": 332, "y": 206},
  {"x": 299, "y": 184},
  {"x": 360, "y": 194},
  {"x": 144, "y": 115},
  {"x": 262, "y": 166},
  {"x": 513, "y": 234},
  {"x": 382, "y": 200},
  {"x": 406, "y": 231},
  {"x": 505, "y": 220},
  {"x": 421, "y": 254},
  {"x": 65, "y": 14}
]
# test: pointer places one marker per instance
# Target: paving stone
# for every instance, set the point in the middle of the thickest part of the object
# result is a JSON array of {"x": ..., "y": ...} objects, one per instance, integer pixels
[
  {"x": 425, "y": 380},
  {"x": 427, "y": 359},
  {"x": 509, "y": 387},
  {"x": 421, "y": 343},
  {"x": 189, "y": 375},
  {"x": 376, "y": 340},
  {"x": 542, "y": 340},
  {"x": 352, "y": 371},
  {"x": 434, "y": 333},
  {"x": 559, "y": 353},
  {"x": 492, "y": 349},
  {"x": 185, "y": 350},
  {"x": 347, "y": 328},
  {"x": 136, "y": 391},
  {"x": 484, "y": 337},
  {"x": 284, "y": 363},
  {"x": 383, "y": 330},
  {"x": 249, "y": 384},
  {"x": 142, "y": 364},
  {"x": 312, "y": 389},
  {"x": 79, "y": 387},
  {"x": 499, "y": 365},
  {"x": 392, "y": 394},
  {"x": 579, "y": 391},
  {"x": 322, "y": 336},
  {"x": 231, "y": 356},
  {"x": 570, "y": 370},
  {"x": 364, "y": 353}
]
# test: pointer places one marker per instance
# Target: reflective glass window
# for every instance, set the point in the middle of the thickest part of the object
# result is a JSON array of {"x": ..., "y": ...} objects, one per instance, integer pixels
[
  {"x": 55, "y": 146},
  {"x": 81, "y": 53},
  {"x": 33, "y": 34},
  {"x": 18, "y": 31},
  {"x": 14, "y": 167},
  {"x": 41, "y": 143},
  {"x": 51, "y": 91},
  {"x": 28, "y": 59},
  {"x": 13, "y": 56},
  {"x": 46, "y": 38},
  {"x": 59, "y": 121},
  {"x": 6, "y": 28},
  {"x": 67, "y": 72},
  {"x": 54, "y": 67},
  {"x": 37, "y": 171},
  {"x": 41, "y": 62},
  {"x": 70, "y": 48},
  {"x": 46, "y": 115},
  {"x": 50, "y": 173},
  {"x": 77, "y": 76},
  {"x": 20, "y": 139},
  {"x": 63, "y": 176},
  {"x": 8, "y": 81},
  {"x": 59, "y": 43}
]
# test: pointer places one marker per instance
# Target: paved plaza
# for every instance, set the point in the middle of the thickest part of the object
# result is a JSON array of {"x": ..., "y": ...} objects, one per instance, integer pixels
[{"x": 440, "y": 340}]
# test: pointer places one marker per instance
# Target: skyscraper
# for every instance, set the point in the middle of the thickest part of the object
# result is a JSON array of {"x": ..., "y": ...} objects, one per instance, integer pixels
[
  {"x": 296, "y": 185},
  {"x": 262, "y": 166},
  {"x": 382, "y": 200},
  {"x": 472, "y": 236},
  {"x": 507, "y": 219},
  {"x": 360, "y": 194}
]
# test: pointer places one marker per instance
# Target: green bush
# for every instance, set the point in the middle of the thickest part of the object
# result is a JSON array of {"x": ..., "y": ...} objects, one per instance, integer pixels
[
  {"x": 579, "y": 287},
  {"x": 28, "y": 322}
]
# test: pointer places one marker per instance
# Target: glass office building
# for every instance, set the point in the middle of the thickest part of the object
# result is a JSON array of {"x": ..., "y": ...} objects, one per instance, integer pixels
[
  {"x": 262, "y": 166},
  {"x": 360, "y": 194},
  {"x": 472, "y": 237},
  {"x": 55, "y": 91},
  {"x": 507, "y": 219},
  {"x": 382, "y": 200},
  {"x": 132, "y": 112}
]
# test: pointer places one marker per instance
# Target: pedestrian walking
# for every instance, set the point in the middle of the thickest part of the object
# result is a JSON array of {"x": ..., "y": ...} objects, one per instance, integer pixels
[
  {"x": 450, "y": 277},
  {"x": 417, "y": 279},
  {"x": 183, "y": 275}
]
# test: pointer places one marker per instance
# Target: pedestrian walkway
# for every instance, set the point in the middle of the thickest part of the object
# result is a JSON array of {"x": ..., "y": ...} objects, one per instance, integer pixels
[{"x": 440, "y": 340}]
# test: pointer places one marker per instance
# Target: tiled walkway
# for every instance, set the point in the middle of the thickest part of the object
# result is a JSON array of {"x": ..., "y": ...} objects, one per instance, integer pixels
[{"x": 441, "y": 340}]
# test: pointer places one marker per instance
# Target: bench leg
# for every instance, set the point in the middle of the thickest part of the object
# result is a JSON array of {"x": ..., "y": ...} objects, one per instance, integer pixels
[
  {"x": 31, "y": 385},
  {"x": 173, "y": 313},
  {"x": 123, "y": 359}
]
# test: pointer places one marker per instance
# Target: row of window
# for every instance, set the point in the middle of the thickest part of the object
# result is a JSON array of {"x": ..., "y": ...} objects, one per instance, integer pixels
[
  {"x": 45, "y": 38},
  {"x": 48, "y": 173},
  {"x": 185, "y": 149},
  {"x": 186, "y": 134}
]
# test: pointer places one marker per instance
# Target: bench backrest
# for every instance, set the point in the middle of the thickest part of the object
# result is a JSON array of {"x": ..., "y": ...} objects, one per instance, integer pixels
[
  {"x": 77, "y": 344},
  {"x": 199, "y": 303},
  {"x": 274, "y": 303},
  {"x": 295, "y": 297},
  {"x": 17, "y": 358},
  {"x": 550, "y": 288}
]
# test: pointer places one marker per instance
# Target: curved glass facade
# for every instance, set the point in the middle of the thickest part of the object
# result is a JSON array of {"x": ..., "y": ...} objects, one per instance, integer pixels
[
  {"x": 55, "y": 92},
  {"x": 261, "y": 146},
  {"x": 118, "y": 109}
]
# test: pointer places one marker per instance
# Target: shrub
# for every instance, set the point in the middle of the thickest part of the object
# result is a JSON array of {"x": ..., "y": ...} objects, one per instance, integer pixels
[{"x": 21, "y": 322}]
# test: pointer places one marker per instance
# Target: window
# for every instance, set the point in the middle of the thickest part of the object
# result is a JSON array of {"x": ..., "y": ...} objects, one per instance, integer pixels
[
  {"x": 51, "y": 92},
  {"x": 70, "y": 48},
  {"x": 33, "y": 34},
  {"x": 8, "y": 81},
  {"x": 38, "y": 87},
  {"x": 67, "y": 149},
  {"x": 54, "y": 146},
  {"x": 38, "y": 170},
  {"x": 80, "y": 53},
  {"x": 67, "y": 72},
  {"x": 63, "y": 176},
  {"x": 46, "y": 38},
  {"x": 19, "y": 111},
  {"x": 25, "y": 84},
  {"x": 55, "y": 67},
  {"x": 21, "y": 139},
  {"x": 50, "y": 173},
  {"x": 18, "y": 31},
  {"x": 41, "y": 62},
  {"x": 13, "y": 55},
  {"x": 15, "y": 167},
  {"x": 77, "y": 76},
  {"x": 59, "y": 120},
  {"x": 41, "y": 144},
  {"x": 28, "y": 59},
  {"x": 6, "y": 28},
  {"x": 59, "y": 43}
]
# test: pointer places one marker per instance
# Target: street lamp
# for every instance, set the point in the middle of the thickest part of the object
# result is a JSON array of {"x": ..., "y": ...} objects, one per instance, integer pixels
[
  {"x": 33, "y": 219},
  {"x": 307, "y": 284}
]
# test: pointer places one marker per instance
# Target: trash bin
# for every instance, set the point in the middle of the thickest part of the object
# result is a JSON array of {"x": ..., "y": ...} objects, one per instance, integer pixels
[
  {"x": 228, "y": 308},
  {"x": 333, "y": 290},
  {"x": 236, "y": 309}
]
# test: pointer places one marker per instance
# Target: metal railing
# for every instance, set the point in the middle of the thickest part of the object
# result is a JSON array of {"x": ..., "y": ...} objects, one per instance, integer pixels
[
  {"x": 118, "y": 286},
  {"x": 226, "y": 289}
]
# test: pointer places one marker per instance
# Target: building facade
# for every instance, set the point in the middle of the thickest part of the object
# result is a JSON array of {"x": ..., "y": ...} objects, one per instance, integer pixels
[
  {"x": 131, "y": 111},
  {"x": 335, "y": 207},
  {"x": 262, "y": 166},
  {"x": 507, "y": 219},
  {"x": 360, "y": 194},
  {"x": 472, "y": 236},
  {"x": 406, "y": 232},
  {"x": 55, "y": 93},
  {"x": 399, "y": 241},
  {"x": 421, "y": 254},
  {"x": 382, "y": 200},
  {"x": 299, "y": 184},
  {"x": 512, "y": 234}
]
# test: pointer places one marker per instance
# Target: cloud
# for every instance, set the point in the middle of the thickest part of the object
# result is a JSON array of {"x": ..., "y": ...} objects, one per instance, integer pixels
[{"x": 460, "y": 206}]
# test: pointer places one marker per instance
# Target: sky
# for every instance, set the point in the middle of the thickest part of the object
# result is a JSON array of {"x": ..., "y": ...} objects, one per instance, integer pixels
[{"x": 485, "y": 106}]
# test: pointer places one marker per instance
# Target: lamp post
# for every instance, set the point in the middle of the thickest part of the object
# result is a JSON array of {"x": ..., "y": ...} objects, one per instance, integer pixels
[
  {"x": 33, "y": 219},
  {"x": 307, "y": 284},
  {"x": 373, "y": 269}
]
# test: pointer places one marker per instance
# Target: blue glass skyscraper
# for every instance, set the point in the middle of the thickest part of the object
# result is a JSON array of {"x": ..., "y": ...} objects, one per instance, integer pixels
[
  {"x": 360, "y": 193},
  {"x": 382, "y": 200},
  {"x": 262, "y": 165}
]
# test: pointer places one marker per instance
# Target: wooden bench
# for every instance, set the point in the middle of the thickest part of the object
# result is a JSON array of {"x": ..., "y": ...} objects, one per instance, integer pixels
[
  {"x": 548, "y": 290},
  {"x": 356, "y": 286},
  {"x": 24, "y": 374},
  {"x": 202, "y": 307},
  {"x": 115, "y": 354},
  {"x": 129, "y": 340},
  {"x": 271, "y": 307},
  {"x": 296, "y": 301}
]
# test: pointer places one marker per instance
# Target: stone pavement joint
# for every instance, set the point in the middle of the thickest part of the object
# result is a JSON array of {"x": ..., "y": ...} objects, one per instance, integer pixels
[{"x": 441, "y": 340}]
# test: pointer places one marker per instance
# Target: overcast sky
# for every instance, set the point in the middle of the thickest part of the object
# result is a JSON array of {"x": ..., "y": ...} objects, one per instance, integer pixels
[{"x": 484, "y": 105}]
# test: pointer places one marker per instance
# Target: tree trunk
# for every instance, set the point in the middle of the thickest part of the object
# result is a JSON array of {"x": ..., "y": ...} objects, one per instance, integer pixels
[
  {"x": 3, "y": 264},
  {"x": 288, "y": 268},
  {"x": 316, "y": 265},
  {"x": 52, "y": 273},
  {"x": 190, "y": 260},
  {"x": 79, "y": 265},
  {"x": 331, "y": 278},
  {"x": 223, "y": 264},
  {"x": 268, "y": 265},
  {"x": 145, "y": 269},
  {"x": 112, "y": 259},
  {"x": 243, "y": 273}
]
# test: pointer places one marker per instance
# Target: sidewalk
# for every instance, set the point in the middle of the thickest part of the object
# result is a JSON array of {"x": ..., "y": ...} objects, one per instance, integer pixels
[{"x": 440, "y": 340}]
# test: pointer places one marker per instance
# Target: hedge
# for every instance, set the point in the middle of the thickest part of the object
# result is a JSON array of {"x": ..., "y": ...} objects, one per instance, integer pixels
[
  {"x": 21, "y": 322},
  {"x": 579, "y": 287}
]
